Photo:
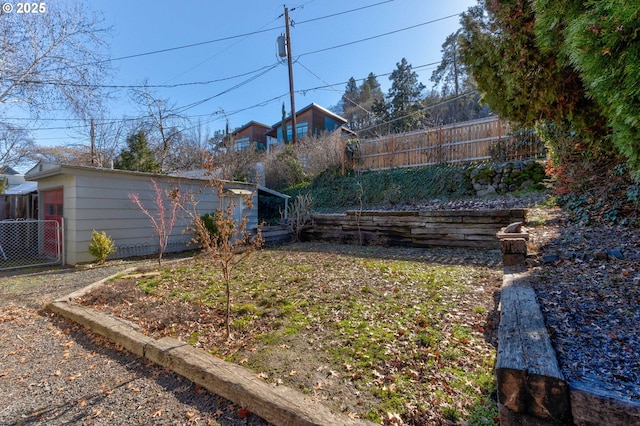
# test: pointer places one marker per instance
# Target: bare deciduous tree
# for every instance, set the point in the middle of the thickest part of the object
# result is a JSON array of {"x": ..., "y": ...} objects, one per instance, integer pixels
[
  {"x": 49, "y": 61},
  {"x": 15, "y": 146},
  {"x": 163, "y": 217},
  {"x": 52, "y": 60},
  {"x": 230, "y": 243},
  {"x": 164, "y": 126}
]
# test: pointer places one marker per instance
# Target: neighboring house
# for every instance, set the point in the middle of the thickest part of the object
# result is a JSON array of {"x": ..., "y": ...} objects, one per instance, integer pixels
[
  {"x": 20, "y": 202},
  {"x": 12, "y": 177},
  {"x": 252, "y": 134},
  {"x": 311, "y": 121},
  {"x": 86, "y": 198}
]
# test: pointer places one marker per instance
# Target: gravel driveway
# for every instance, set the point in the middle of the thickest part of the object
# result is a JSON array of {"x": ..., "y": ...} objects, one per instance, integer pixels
[{"x": 54, "y": 372}]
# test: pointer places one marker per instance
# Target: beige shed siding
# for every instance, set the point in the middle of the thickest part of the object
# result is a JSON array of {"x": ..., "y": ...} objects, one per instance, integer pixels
[{"x": 99, "y": 199}]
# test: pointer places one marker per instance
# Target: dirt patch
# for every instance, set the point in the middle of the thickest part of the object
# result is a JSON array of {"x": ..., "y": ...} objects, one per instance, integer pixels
[{"x": 375, "y": 332}]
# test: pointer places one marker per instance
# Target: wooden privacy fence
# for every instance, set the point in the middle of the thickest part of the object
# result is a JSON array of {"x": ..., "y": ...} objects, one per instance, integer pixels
[{"x": 485, "y": 139}]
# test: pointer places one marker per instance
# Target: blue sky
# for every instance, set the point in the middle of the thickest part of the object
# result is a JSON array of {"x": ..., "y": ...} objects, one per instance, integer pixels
[{"x": 250, "y": 82}]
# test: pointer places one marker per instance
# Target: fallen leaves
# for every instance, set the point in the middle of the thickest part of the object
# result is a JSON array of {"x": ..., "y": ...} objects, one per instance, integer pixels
[{"x": 374, "y": 309}]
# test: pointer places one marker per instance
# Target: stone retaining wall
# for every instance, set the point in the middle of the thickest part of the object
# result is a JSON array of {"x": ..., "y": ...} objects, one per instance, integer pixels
[{"x": 507, "y": 177}]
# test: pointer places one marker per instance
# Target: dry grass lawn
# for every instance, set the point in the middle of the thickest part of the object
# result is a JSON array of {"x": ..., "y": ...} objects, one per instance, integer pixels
[{"x": 375, "y": 332}]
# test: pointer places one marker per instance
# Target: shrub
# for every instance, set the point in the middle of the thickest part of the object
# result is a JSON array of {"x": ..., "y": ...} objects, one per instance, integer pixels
[
  {"x": 300, "y": 214},
  {"x": 218, "y": 225},
  {"x": 210, "y": 222},
  {"x": 101, "y": 246},
  {"x": 283, "y": 168}
]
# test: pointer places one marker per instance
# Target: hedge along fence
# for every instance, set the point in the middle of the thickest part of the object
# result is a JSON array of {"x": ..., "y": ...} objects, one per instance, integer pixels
[{"x": 420, "y": 228}]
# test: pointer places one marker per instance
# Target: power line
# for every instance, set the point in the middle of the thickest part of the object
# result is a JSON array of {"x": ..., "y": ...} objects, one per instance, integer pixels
[
  {"x": 195, "y": 104},
  {"x": 379, "y": 35},
  {"x": 221, "y": 39},
  {"x": 263, "y": 70},
  {"x": 343, "y": 13},
  {"x": 189, "y": 106},
  {"x": 141, "y": 86},
  {"x": 269, "y": 67}
]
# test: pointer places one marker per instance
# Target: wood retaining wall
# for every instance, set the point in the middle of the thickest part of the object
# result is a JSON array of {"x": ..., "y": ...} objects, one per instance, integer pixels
[
  {"x": 418, "y": 228},
  {"x": 276, "y": 235},
  {"x": 531, "y": 387}
]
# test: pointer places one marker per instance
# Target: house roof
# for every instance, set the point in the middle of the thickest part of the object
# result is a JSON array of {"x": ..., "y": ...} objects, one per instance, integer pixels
[
  {"x": 312, "y": 105},
  {"x": 249, "y": 124},
  {"x": 22, "y": 189}
]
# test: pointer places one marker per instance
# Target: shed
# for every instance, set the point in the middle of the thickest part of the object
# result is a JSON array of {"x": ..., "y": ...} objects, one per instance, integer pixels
[{"x": 85, "y": 198}]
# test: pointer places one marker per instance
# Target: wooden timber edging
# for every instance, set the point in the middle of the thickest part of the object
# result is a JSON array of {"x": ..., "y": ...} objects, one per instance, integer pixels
[
  {"x": 531, "y": 387},
  {"x": 279, "y": 405},
  {"x": 276, "y": 235},
  {"x": 417, "y": 228}
]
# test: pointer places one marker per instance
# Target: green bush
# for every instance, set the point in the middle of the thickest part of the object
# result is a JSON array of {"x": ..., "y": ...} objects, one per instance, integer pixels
[
  {"x": 210, "y": 221},
  {"x": 101, "y": 246}
]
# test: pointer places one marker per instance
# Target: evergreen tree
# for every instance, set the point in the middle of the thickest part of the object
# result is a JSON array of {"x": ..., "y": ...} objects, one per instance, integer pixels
[
  {"x": 357, "y": 103},
  {"x": 350, "y": 100},
  {"x": 601, "y": 40},
  {"x": 457, "y": 101},
  {"x": 532, "y": 86},
  {"x": 451, "y": 74},
  {"x": 404, "y": 109},
  {"x": 138, "y": 156}
]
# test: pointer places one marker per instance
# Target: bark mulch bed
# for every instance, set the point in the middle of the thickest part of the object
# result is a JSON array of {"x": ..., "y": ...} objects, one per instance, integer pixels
[{"x": 587, "y": 280}]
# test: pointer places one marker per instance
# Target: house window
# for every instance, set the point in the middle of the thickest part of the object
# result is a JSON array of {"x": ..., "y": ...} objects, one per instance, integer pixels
[
  {"x": 241, "y": 144},
  {"x": 330, "y": 124},
  {"x": 303, "y": 131}
]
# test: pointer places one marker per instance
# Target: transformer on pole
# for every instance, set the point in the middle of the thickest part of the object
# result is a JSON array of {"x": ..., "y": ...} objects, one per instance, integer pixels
[{"x": 284, "y": 49}]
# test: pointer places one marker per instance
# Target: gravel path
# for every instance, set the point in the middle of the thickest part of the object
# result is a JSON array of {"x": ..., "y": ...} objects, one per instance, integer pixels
[{"x": 54, "y": 372}]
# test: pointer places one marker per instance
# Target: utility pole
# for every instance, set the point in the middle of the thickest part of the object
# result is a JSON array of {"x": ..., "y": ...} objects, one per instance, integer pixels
[
  {"x": 294, "y": 128},
  {"x": 92, "y": 136}
]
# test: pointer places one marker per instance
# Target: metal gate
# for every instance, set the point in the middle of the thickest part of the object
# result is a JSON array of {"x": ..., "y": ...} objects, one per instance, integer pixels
[{"x": 28, "y": 242}]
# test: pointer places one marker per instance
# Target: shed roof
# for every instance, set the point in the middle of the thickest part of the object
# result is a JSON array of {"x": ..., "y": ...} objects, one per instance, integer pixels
[{"x": 45, "y": 169}]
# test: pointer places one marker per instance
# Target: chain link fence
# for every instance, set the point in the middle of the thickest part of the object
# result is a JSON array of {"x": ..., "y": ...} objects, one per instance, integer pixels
[{"x": 28, "y": 242}]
